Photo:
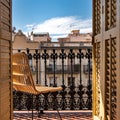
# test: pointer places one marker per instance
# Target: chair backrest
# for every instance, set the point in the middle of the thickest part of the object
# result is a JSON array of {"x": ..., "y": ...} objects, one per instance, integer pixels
[{"x": 22, "y": 77}]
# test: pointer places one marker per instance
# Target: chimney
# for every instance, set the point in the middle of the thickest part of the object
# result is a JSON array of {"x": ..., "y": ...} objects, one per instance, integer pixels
[{"x": 75, "y": 32}]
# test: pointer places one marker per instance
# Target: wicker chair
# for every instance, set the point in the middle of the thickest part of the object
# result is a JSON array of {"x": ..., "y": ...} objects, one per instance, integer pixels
[{"x": 23, "y": 80}]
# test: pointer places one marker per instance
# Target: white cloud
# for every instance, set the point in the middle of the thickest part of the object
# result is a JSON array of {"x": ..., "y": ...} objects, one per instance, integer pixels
[
  {"x": 56, "y": 36},
  {"x": 62, "y": 25},
  {"x": 30, "y": 26}
]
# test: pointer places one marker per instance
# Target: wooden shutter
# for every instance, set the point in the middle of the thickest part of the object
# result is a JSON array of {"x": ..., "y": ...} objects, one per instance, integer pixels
[
  {"x": 5, "y": 60},
  {"x": 106, "y": 57}
]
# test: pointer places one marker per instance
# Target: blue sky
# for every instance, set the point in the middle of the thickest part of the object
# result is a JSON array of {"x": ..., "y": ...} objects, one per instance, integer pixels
[{"x": 58, "y": 17}]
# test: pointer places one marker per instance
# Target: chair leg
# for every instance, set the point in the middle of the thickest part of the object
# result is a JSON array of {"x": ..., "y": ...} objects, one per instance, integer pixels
[
  {"x": 59, "y": 114},
  {"x": 32, "y": 106},
  {"x": 41, "y": 112}
]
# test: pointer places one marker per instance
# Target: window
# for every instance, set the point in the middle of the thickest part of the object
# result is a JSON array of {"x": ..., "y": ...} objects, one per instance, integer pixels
[
  {"x": 32, "y": 67},
  {"x": 86, "y": 68},
  {"x": 52, "y": 81},
  {"x": 71, "y": 81}
]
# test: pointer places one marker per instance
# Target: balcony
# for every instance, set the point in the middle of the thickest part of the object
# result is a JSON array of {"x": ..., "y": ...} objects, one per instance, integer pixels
[
  {"x": 57, "y": 45},
  {"x": 59, "y": 67}
]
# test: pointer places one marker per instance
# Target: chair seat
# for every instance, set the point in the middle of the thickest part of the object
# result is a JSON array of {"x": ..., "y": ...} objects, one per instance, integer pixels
[
  {"x": 37, "y": 90},
  {"x": 43, "y": 89}
]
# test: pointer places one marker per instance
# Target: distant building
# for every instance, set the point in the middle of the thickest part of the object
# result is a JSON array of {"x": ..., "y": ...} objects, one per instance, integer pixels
[
  {"x": 42, "y": 41},
  {"x": 76, "y": 36},
  {"x": 21, "y": 41},
  {"x": 40, "y": 37},
  {"x": 73, "y": 40}
]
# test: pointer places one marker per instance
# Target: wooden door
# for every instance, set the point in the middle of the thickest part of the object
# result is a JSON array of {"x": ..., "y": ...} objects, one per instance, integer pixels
[
  {"x": 5, "y": 60},
  {"x": 106, "y": 57}
]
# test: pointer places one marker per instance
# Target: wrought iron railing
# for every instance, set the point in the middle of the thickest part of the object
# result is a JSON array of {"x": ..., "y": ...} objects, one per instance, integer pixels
[
  {"x": 77, "y": 86},
  {"x": 58, "y": 69}
]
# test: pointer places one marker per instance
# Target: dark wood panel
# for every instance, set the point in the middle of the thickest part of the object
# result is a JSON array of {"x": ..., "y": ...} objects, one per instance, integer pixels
[
  {"x": 4, "y": 43},
  {"x": 5, "y": 99},
  {"x": 4, "y": 56},
  {"x": 5, "y": 59},
  {"x": 5, "y": 71},
  {"x": 4, "y": 77},
  {"x": 4, "y": 14},
  {"x": 6, "y": 21},
  {"x": 5, "y": 35},
  {"x": 4, "y": 49},
  {"x": 4, "y": 62},
  {"x": 6, "y": 3},
  {"x": 109, "y": 38},
  {"x": 5, "y": 8},
  {"x": 5, "y": 68},
  {"x": 5, "y": 26}
]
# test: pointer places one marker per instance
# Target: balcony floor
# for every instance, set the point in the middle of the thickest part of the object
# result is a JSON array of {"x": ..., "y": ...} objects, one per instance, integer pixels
[{"x": 53, "y": 115}]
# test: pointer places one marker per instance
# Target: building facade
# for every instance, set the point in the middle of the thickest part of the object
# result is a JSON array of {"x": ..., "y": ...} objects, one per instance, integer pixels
[
  {"x": 74, "y": 41},
  {"x": 43, "y": 41}
]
